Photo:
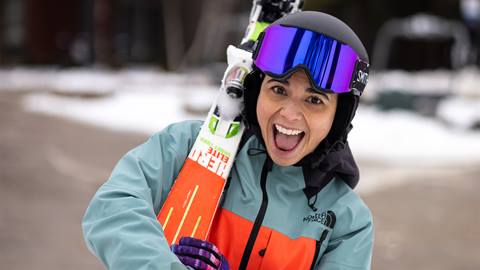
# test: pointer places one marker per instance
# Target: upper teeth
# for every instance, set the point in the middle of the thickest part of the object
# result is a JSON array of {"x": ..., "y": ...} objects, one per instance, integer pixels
[{"x": 287, "y": 131}]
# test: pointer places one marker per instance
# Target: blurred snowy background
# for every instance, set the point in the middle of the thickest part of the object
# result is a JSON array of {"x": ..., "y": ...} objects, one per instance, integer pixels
[
  {"x": 147, "y": 100},
  {"x": 83, "y": 81}
]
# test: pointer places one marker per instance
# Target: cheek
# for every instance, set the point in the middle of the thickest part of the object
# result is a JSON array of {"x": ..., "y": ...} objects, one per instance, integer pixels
[
  {"x": 263, "y": 110},
  {"x": 320, "y": 126},
  {"x": 260, "y": 111}
]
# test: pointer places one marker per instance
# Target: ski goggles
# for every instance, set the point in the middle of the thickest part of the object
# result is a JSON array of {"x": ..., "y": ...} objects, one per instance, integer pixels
[{"x": 331, "y": 65}]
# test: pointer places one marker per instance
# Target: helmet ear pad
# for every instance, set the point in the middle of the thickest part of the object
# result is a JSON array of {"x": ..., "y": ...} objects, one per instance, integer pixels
[
  {"x": 252, "y": 83},
  {"x": 346, "y": 107}
]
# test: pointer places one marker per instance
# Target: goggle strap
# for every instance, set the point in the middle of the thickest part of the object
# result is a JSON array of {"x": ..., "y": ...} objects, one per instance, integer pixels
[
  {"x": 359, "y": 77},
  {"x": 256, "y": 46}
]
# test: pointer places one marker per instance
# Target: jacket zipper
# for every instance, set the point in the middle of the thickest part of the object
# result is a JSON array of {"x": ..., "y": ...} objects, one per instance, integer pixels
[
  {"x": 318, "y": 246},
  {"x": 331, "y": 220},
  {"x": 267, "y": 166}
]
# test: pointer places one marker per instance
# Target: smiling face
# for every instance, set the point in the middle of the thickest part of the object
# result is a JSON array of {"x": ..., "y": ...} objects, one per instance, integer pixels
[{"x": 293, "y": 118}]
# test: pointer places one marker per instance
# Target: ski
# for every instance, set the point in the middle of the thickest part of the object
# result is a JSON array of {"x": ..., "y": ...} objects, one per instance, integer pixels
[{"x": 191, "y": 205}]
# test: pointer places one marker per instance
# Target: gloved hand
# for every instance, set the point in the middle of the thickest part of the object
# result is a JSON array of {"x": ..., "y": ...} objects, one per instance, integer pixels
[{"x": 200, "y": 255}]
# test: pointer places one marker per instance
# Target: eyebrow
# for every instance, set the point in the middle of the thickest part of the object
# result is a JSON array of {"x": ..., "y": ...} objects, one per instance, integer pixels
[
  {"x": 285, "y": 81},
  {"x": 309, "y": 90},
  {"x": 313, "y": 91}
]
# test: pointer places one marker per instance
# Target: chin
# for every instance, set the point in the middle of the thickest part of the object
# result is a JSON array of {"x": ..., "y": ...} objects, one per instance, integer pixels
[{"x": 283, "y": 162}]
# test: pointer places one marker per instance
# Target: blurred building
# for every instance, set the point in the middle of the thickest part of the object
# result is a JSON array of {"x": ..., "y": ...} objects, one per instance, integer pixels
[
  {"x": 44, "y": 32},
  {"x": 114, "y": 32},
  {"x": 170, "y": 34}
]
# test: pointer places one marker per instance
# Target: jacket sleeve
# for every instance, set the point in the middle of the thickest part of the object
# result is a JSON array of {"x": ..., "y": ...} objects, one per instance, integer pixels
[
  {"x": 351, "y": 244},
  {"x": 120, "y": 225}
]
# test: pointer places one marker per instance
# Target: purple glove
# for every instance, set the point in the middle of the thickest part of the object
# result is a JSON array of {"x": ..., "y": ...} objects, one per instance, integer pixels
[{"x": 200, "y": 255}]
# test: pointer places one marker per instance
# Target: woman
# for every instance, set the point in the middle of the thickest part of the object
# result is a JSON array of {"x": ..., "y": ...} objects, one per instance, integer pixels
[{"x": 289, "y": 203}]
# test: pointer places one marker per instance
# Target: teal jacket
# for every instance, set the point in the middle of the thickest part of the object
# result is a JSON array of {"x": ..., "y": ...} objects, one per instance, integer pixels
[{"x": 266, "y": 221}]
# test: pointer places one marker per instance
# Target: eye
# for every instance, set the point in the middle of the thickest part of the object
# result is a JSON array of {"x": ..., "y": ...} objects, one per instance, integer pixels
[
  {"x": 279, "y": 90},
  {"x": 314, "y": 100}
]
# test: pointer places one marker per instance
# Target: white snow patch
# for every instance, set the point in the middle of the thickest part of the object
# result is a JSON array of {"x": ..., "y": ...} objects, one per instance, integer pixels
[
  {"x": 229, "y": 107},
  {"x": 139, "y": 112},
  {"x": 199, "y": 98},
  {"x": 94, "y": 80},
  {"x": 437, "y": 81},
  {"x": 401, "y": 137},
  {"x": 84, "y": 81},
  {"x": 464, "y": 82},
  {"x": 461, "y": 112},
  {"x": 25, "y": 79}
]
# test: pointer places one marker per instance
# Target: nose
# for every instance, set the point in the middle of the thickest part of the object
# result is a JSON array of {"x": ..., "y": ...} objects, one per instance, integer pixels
[{"x": 291, "y": 111}]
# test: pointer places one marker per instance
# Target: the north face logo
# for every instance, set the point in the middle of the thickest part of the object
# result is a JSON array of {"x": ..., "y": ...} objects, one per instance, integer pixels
[{"x": 326, "y": 218}]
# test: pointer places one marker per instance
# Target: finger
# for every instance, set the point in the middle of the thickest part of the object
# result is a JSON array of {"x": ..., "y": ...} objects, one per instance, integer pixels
[
  {"x": 194, "y": 242},
  {"x": 195, "y": 263},
  {"x": 197, "y": 253}
]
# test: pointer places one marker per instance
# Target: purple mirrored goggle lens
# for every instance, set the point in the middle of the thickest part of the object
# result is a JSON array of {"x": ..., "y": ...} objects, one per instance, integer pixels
[{"x": 330, "y": 63}]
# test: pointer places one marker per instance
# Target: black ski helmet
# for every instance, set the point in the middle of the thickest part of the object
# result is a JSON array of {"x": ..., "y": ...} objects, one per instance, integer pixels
[{"x": 334, "y": 28}]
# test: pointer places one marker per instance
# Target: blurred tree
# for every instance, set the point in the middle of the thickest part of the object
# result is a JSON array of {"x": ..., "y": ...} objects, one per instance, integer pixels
[
  {"x": 173, "y": 31},
  {"x": 12, "y": 30},
  {"x": 50, "y": 28},
  {"x": 102, "y": 32},
  {"x": 171, "y": 34},
  {"x": 2, "y": 34},
  {"x": 137, "y": 32},
  {"x": 210, "y": 31}
]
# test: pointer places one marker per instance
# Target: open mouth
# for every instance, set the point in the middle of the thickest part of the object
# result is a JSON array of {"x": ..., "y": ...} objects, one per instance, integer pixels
[{"x": 287, "y": 139}]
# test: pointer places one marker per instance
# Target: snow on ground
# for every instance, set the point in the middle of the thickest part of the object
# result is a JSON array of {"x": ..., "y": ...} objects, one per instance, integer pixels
[
  {"x": 145, "y": 112},
  {"x": 461, "y": 82},
  {"x": 460, "y": 111},
  {"x": 403, "y": 137},
  {"x": 148, "y": 100},
  {"x": 138, "y": 99},
  {"x": 91, "y": 80}
]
